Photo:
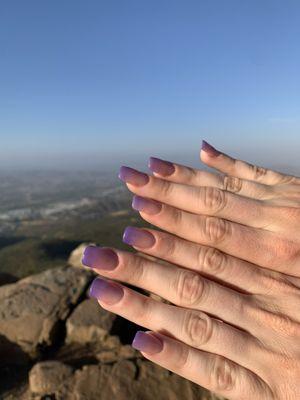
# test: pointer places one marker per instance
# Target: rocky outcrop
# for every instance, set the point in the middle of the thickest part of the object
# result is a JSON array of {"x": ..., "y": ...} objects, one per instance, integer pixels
[
  {"x": 123, "y": 380},
  {"x": 46, "y": 378},
  {"x": 89, "y": 323},
  {"x": 69, "y": 348},
  {"x": 32, "y": 309}
]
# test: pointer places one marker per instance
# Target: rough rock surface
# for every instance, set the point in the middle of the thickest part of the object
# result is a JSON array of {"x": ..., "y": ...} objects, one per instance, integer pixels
[
  {"x": 124, "y": 380},
  {"x": 32, "y": 308},
  {"x": 89, "y": 323},
  {"x": 48, "y": 376}
]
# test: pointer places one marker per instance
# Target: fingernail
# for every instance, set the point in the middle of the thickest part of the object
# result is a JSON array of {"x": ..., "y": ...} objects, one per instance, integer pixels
[
  {"x": 100, "y": 258},
  {"x": 106, "y": 291},
  {"x": 146, "y": 205},
  {"x": 146, "y": 342},
  {"x": 162, "y": 167},
  {"x": 138, "y": 237},
  {"x": 132, "y": 176},
  {"x": 209, "y": 149}
]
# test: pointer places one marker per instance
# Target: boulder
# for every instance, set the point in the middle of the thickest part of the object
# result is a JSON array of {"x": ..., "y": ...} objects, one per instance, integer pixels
[
  {"x": 89, "y": 323},
  {"x": 135, "y": 380},
  {"x": 31, "y": 310},
  {"x": 47, "y": 377}
]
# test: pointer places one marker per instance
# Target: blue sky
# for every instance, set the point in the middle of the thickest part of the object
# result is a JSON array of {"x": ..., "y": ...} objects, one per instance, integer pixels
[{"x": 89, "y": 81}]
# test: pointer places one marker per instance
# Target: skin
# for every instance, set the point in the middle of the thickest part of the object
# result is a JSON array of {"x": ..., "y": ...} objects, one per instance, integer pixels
[{"x": 232, "y": 275}]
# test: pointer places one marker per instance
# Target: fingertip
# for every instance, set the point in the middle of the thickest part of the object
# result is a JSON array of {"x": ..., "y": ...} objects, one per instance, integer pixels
[{"x": 209, "y": 150}]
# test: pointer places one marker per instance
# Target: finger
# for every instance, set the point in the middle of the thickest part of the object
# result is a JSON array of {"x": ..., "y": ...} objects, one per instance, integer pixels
[
  {"x": 194, "y": 328},
  {"x": 191, "y": 176},
  {"x": 260, "y": 247},
  {"x": 208, "y": 261},
  {"x": 180, "y": 286},
  {"x": 211, "y": 371},
  {"x": 198, "y": 200},
  {"x": 241, "y": 169}
]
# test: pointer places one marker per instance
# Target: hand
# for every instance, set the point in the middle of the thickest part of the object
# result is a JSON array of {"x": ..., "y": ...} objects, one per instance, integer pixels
[{"x": 233, "y": 326}]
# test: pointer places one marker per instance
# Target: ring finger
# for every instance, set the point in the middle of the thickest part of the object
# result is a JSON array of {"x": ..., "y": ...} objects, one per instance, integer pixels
[
  {"x": 194, "y": 328},
  {"x": 180, "y": 286}
]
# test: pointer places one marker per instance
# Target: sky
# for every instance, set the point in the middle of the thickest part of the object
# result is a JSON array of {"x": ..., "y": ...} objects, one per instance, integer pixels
[{"x": 87, "y": 82}]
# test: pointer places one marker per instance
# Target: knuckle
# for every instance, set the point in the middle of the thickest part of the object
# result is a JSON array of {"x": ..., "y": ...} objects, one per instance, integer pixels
[
  {"x": 176, "y": 216},
  {"x": 213, "y": 261},
  {"x": 166, "y": 189},
  {"x": 258, "y": 172},
  {"x": 223, "y": 374},
  {"x": 142, "y": 312},
  {"x": 272, "y": 316},
  {"x": 286, "y": 250},
  {"x": 197, "y": 328},
  {"x": 189, "y": 287},
  {"x": 182, "y": 358},
  {"x": 214, "y": 199},
  {"x": 216, "y": 229},
  {"x": 284, "y": 325},
  {"x": 232, "y": 184},
  {"x": 166, "y": 246},
  {"x": 137, "y": 264}
]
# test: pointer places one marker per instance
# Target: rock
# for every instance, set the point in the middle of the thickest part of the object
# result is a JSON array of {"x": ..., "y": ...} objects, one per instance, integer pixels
[
  {"x": 102, "y": 382},
  {"x": 76, "y": 256},
  {"x": 89, "y": 323},
  {"x": 32, "y": 309},
  {"x": 125, "y": 379},
  {"x": 121, "y": 352},
  {"x": 47, "y": 377}
]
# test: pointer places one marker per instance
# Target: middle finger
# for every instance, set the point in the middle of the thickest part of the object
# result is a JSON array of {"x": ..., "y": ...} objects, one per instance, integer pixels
[{"x": 199, "y": 200}]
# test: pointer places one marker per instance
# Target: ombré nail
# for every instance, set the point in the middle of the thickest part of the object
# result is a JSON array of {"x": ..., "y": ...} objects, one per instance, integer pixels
[
  {"x": 100, "y": 258},
  {"x": 106, "y": 291},
  {"x": 147, "y": 342},
  {"x": 138, "y": 237},
  {"x": 209, "y": 149},
  {"x": 132, "y": 176},
  {"x": 161, "y": 167},
  {"x": 145, "y": 205}
]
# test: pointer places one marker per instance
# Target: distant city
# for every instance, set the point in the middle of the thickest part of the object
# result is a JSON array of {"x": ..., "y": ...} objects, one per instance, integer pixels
[{"x": 27, "y": 197}]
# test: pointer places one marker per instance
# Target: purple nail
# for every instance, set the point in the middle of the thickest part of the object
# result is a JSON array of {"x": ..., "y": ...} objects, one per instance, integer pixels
[
  {"x": 100, "y": 258},
  {"x": 146, "y": 205},
  {"x": 138, "y": 237},
  {"x": 209, "y": 149},
  {"x": 132, "y": 176},
  {"x": 162, "y": 167},
  {"x": 106, "y": 291},
  {"x": 147, "y": 342}
]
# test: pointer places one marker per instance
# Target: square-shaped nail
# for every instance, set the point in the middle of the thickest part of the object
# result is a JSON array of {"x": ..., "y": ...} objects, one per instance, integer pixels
[
  {"x": 161, "y": 167},
  {"x": 145, "y": 205},
  {"x": 209, "y": 149},
  {"x": 106, "y": 291},
  {"x": 132, "y": 176},
  {"x": 138, "y": 237},
  {"x": 100, "y": 258},
  {"x": 147, "y": 342}
]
